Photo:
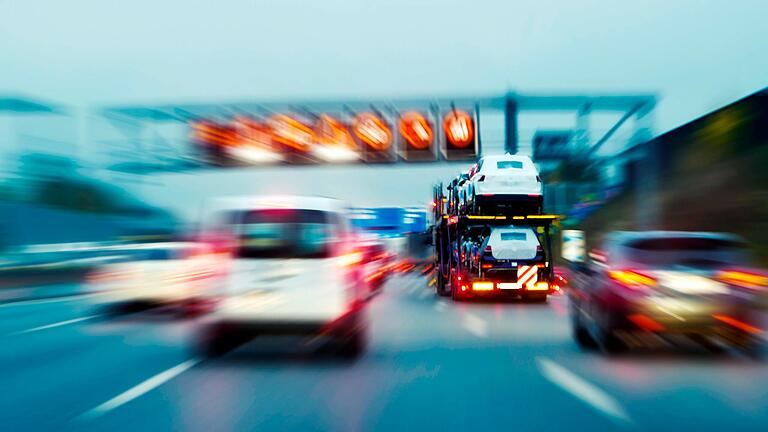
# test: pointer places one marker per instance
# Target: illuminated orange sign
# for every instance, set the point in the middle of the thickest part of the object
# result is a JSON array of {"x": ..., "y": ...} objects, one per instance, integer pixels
[
  {"x": 208, "y": 132},
  {"x": 253, "y": 133},
  {"x": 331, "y": 132},
  {"x": 416, "y": 130},
  {"x": 372, "y": 130},
  {"x": 459, "y": 128},
  {"x": 288, "y": 131}
]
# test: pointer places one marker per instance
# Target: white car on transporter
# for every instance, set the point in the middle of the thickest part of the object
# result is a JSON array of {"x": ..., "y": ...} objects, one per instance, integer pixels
[{"x": 507, "y": 183}]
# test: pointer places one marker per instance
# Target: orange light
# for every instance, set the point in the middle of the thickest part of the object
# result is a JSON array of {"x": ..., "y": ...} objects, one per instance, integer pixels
[
  {"x": 738, "y": 324},
  {"x": 646, "y": 323},
  {"x": 631, "y": 279},
  {"x": 372, "y": 130},
  {"x": 482, "y": 286},
  {"x": 538, "y": 286},
  {"x": 291, "y": 132},
  {"x": 487, "y": 266},
  {"x": 743, "y": 279},
  {"x": 416, "y": 130},
  {"x": 208, "y": 132},
  {"x": 331, "y": 132},
  {"x": 459, "y": 128}
]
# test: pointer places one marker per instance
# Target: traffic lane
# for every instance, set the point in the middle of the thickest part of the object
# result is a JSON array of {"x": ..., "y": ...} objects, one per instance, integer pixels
[
  {"x": 54, "y": 375},
  {"x": 674, "y": 385},
  {"x": 25, "y": 315},
  {"x": 424, "y": 368}
]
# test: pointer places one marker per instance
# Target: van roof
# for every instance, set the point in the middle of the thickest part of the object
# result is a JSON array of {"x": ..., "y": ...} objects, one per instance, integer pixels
[{"x": 279, "y": 201}]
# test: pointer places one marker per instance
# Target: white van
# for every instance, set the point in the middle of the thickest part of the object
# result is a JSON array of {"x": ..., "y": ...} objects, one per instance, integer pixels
[{"x": 294, "y": 270}]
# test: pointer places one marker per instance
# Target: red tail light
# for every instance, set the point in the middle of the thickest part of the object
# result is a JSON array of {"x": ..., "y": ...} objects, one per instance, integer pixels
[
  {"x": 632, "y": 279},
  {"x": 488, "y": 249},
  {"x": 487, "y": 266}
]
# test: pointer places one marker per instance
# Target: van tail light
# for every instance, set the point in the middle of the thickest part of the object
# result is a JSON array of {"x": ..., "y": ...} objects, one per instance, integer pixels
[
  {"x": 351, "y": 259},
  {"x": 488, "y": 249},
  {"x": 632, "y": 279}
]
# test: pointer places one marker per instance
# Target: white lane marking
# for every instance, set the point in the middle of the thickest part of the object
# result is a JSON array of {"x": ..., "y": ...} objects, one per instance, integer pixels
[
  {"x": 138, "y": 390},
  {"x": 46, "y": 300},
  {"x": 582, "y": 389},
  {"x": 475, "y": 325},
  {"x": 54, "y": 325}
]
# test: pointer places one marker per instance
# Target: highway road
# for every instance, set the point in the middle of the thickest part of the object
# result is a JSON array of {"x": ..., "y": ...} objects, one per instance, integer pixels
[{"x": 432, "y": 364}]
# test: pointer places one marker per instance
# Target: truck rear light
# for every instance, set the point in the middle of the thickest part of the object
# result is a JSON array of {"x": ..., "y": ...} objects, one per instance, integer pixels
[
  {"x": 538, "y": 286},
  {"x": 482, "y": 286},
  {"x": 488, "y": 249}
]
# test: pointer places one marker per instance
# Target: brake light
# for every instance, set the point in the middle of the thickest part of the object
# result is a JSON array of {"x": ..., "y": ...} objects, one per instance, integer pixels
[
  {"x": 482, "y": 286},
  {"x": 538, "y": 286},
  {"x": 743, "y": 279},
  {"x": 351, "y": 258},
  {"x": 632, "y": 279},
  {"x": 738, "y": 324},
  {"x": 487, "y": 266},
  {"x": 646, "y": 323}
]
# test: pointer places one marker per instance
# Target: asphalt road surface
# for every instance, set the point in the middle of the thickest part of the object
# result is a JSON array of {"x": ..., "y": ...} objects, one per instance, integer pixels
[{"x": 431, "y": 365}]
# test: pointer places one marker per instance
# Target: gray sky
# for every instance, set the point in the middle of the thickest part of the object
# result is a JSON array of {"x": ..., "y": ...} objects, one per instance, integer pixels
[{"x": 697, "y": 54}]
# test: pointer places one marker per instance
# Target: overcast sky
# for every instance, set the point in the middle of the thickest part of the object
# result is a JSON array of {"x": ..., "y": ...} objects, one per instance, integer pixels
[{"x": 696, "y": 54}]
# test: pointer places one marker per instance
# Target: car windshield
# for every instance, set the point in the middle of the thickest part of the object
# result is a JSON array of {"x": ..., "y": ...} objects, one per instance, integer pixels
[
  {"x": 699, "y": 252},
  {"x": 283, "y": 233},
  {"x": 519, "y": 236},
  {"x": 509, "y": 165}
]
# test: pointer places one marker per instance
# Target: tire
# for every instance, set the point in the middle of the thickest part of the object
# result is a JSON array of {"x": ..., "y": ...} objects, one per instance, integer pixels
[
  {"x": 580, "y": 333},
  {"x": 219, "y": 341},
  {"x": 441, "y": 289},
  {"x": 352, "y": 345},
  {"x": 609, "y": 343}
]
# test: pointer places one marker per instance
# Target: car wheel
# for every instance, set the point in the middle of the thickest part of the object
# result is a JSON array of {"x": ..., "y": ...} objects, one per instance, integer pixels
[
  {"x": 751, "y": 346},
  {"x": 352, "y": 345},
  {"x": 609, "y": 343},
  {"x": 580, "y": 333},
  {"x": 218, "y": 341}
]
